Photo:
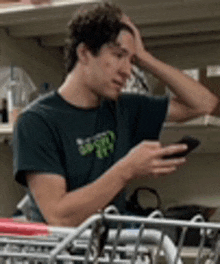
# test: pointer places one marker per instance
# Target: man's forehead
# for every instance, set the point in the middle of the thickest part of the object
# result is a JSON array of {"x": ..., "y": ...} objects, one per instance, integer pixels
[
  {"x": 115, "y": 44},
  {"x": 119, "y": 46},
  {"x": 124, "y": 42},
  {"x": 125, "y": 34}
]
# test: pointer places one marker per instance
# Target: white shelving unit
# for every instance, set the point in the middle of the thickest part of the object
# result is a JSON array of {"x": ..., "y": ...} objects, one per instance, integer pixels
[
  {"x": 205, "y": 128},
  {"x": 6, "y": 131}
]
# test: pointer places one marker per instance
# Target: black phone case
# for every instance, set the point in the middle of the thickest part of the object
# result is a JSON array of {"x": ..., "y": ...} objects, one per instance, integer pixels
[{"x": 191, "y": 142}]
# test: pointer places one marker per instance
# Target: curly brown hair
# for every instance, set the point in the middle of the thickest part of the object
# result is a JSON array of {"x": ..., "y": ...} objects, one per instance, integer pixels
[{"x": 94, "y": 26}]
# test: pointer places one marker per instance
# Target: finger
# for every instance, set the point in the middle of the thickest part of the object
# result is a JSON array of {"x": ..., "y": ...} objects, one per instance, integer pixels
[
  {"x": 163, "y": 171},
  {"x": 151, "y": 144},
  {"x": 171, "y": 162},
  {"x": 172, "y": 149},
  {"x": 125, "y": 18}
]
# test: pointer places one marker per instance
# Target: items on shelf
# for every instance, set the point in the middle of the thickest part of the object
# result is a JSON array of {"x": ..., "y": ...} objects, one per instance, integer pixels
[
  {"x": 4, "y": 111},
  {"x": 16, "y": 88}
]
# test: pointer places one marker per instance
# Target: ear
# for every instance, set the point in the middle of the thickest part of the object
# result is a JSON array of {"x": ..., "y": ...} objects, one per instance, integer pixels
[{"x": 83, "y": 53}]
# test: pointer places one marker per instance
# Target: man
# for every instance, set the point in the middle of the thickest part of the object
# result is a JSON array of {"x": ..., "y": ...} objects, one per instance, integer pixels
[{"x": 77, "y": 149}]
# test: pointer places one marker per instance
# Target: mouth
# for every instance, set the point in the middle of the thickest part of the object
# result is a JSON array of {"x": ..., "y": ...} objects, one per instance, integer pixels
[{"x": 118, "y": 83}]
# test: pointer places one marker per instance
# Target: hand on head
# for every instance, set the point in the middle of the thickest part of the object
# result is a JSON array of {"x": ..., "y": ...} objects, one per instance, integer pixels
[{"x": 137, "y": 36}]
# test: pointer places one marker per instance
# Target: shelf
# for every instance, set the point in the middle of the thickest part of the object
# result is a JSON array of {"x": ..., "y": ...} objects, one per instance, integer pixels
[
  {"x": 203, "y": 121},
  {"x": 205, "y": 128},
  {"x": 6, "y": 131}
]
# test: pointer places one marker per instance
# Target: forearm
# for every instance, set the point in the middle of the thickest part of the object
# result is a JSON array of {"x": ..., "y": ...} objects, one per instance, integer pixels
[
  {"x": 190, "y": 92},
  {"x": 62, "y": 208},
  {"x": 77, "y": 206}
]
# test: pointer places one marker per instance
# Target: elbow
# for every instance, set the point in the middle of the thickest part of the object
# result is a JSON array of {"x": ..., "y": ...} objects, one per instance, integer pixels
[
  {"x": 52, "y": 221},
  {"x": 64, "y": 216},
  {"x": 213, "y": 108},
  {"x": 63, "y": 220},
  {"x": 204, "y": 111}
]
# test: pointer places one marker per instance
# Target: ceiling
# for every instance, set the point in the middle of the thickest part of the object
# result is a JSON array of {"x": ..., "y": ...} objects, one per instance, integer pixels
[{"x": 163, "y": 23}]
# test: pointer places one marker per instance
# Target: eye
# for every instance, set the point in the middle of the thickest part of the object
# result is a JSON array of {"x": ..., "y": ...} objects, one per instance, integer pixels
[
  {"x": 133, "y": 60},
  {"x": 119, "y": 55}
]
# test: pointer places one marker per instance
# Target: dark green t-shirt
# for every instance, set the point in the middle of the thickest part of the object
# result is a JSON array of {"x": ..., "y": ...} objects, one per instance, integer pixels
[{"x": 81, "y": 144}]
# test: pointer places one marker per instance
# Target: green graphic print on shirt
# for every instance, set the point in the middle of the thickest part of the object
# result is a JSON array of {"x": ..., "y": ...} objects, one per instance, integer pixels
[{"x": 101, "y": 144}]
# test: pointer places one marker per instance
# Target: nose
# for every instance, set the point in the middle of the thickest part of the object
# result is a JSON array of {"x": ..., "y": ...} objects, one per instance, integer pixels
[{"x": 126, "y": 69}]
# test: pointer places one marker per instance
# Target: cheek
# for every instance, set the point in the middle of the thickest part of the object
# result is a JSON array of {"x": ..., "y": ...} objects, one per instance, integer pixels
[
  {"x": 89, "y": 75},
  {"x": 109, "y": 66},
  {"x": 104, "y": 69}
]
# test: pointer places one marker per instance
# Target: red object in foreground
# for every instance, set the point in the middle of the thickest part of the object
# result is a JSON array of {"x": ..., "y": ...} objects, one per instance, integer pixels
[
  {"x": 35, "y": 2},
  {"x": 9, "y": 1},
  {"x": 27, "y": 2},
  {"x": 10, "y": 227}
]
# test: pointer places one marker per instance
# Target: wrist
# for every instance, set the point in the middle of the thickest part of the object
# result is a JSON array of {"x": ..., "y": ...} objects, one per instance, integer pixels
[
  {"x": 146, "y": 60},
  {"x": 125, "y": 170}
]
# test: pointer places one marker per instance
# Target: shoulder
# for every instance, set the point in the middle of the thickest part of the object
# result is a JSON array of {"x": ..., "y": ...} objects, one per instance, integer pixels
[
  {"x": 46, "y": 101},
  {"x": 35, "y": 116},
  {"x": 38, "y": 109}
]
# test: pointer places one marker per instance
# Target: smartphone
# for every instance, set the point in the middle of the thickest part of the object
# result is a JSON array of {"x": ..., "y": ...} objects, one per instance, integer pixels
[{"x": 191, "y": 142}]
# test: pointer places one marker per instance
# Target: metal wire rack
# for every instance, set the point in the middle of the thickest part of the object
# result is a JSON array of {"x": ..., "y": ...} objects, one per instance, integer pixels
[{"x": 108, "y": 237}]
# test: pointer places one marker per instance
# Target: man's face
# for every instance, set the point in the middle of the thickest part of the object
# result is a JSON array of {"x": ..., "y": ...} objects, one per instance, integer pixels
[{"x": 108, "y": 71}]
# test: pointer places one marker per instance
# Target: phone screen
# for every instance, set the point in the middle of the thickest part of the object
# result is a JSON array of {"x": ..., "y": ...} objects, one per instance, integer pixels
[{"x": 191, "y": 142}]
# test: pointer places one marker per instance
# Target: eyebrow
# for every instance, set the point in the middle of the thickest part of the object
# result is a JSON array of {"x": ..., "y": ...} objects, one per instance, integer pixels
[
  {"x": 115, "y": 44},
  {"x": 118, "y": 45}
]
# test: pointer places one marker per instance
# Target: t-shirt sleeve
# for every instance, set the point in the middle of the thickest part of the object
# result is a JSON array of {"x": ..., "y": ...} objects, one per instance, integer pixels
[
  {"x": 147, "y": 115},
  {"x": 150, "y": 118},
  {"x": 35, "y": 148}
]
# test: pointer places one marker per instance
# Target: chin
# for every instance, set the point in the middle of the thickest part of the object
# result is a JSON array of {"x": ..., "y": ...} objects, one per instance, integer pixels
[
  {"x": 116, "y": 95},
  {"x": 114, "y": 98}
]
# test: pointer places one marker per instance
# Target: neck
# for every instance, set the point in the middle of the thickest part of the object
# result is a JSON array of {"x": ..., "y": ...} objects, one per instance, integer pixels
[{"x": 75, "y": 91}]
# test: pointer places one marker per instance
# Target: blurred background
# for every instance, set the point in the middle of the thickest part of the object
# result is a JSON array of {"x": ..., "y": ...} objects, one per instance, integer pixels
[{"x": 183, "y": 33}]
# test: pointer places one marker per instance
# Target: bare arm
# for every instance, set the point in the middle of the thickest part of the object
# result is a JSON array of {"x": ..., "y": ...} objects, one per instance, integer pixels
[
  {"x": 62, "y": 208},
  {"x": 191, "y": 97}
]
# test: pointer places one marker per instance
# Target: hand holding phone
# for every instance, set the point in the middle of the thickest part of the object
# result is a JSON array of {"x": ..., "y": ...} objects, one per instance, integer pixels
[{"x": 191, "y": 142}]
